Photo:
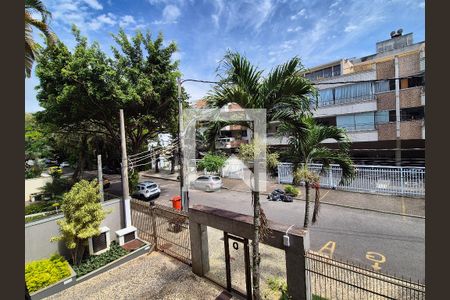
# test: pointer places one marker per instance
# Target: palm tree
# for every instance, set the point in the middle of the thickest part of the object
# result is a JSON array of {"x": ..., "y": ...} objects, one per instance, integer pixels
[
  {"x": 306, "y": 146},
  {"x": 283, "y": 89},
  {"x": 31, "y": 47}
]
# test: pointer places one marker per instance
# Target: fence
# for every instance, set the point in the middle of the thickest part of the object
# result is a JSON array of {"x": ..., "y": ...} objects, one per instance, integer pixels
[
  {"x": 332, "y": 279},
  {"x": 164, "y": 227},
  {"x": 400, "y": 181}
]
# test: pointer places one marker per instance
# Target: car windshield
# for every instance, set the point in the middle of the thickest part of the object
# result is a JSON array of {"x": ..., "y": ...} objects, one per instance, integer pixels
[
  {"x": 151, "y": 186},
  {"x": 202, "y": 178}
]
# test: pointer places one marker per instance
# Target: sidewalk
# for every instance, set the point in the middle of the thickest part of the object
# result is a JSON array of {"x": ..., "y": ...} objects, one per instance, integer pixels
[
  {"x": 152, "y": 276},
  {"x": 372, "y": 202}
]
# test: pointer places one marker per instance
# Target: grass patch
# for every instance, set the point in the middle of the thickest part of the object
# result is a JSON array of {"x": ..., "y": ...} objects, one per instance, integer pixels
[{"x": 42, "y": 273}]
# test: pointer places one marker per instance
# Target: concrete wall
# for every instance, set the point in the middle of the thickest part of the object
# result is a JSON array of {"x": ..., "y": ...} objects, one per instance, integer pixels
[
  {"x": 39, "y": 233},
  {"x": 33, "y": 185},
  {"x": 409, "y": 64},
  {"x": 386, "y": 69},
  {"x": 409, "y": 130},
  {"x": 342, "y": 109},
  {"x": 411, "y": 97}
]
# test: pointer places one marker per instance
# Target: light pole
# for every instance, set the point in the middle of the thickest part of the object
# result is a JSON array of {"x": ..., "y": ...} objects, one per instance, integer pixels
[{"x": 183, "y": 191}]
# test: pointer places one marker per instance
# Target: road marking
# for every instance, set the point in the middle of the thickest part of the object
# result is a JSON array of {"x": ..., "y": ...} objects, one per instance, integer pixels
[
  {"x": 324, "y": 195},
  {"x": 377, "y": 258},
  {"x": 328, "y": 247}
]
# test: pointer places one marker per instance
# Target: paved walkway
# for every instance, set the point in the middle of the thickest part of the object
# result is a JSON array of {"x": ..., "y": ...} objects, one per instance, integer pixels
[
  {"x": 152, "y": 276},
  {"x": 383, "y": 203}
]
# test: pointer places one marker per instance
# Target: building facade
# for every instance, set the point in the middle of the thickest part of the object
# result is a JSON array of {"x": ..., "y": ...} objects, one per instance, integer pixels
[{"x": 379, "y": 99}]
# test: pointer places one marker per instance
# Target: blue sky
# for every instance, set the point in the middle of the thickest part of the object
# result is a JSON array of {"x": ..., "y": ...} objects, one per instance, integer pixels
[{"x": 268, "y": 32}]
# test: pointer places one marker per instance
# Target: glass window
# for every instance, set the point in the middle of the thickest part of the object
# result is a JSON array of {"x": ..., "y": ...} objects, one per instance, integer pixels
[
  {"x": 381, "y": 117},
  {"x": 364, "y": 121},
  {"x": 346, "y": 121},
  {"x": 326, "y": 97},
  {"x": 352, "y": 91},
  {"x": 336, "y": 70},
  {"x": 381, "y": 86},
  {"x": 328, "y": 72}
]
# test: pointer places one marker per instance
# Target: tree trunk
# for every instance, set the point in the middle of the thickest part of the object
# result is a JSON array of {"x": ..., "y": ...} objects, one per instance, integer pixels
[
  {"x": 256, "y": 237},
  {"x": 172, "y": 163},
  {"x": 305, "y": 224}
]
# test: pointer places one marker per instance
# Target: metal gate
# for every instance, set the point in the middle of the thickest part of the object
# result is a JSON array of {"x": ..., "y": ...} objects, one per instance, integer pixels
[
  {"x": 400, "y": 181},
  {"x": 335, "y": 280},
  {"x": 164, "y": 227}
]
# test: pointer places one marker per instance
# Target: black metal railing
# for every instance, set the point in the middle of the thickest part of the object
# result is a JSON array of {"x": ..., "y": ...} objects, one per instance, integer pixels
[
  {"x": 334, "y": 279},
  {"x": 164, "y": 227}
]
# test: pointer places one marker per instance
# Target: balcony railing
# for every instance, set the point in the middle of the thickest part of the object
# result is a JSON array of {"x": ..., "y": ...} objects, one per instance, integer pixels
[{"x": 358, "y": 99}]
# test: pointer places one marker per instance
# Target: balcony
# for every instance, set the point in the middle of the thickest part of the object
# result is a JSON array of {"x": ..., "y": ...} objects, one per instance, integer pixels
[
  {"x": 409, "y": 130},
  {"x": 346, "y": 106}
]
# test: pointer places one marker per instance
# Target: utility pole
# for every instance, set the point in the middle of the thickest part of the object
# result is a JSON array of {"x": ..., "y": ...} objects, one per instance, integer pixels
[
  {"x": 184, "y": 200},
  {"x": 398, "y": 145},
  {"x": 125, "y": 188},
  {"x": 100, "y": 178}
]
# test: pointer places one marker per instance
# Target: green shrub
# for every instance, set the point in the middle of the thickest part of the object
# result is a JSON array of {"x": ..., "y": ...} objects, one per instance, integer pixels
[
  {"x": 57, "y": 187},
  {"x": 212, "y": 162},
  {"x": 42, "y": 273},
  {"x": 277, "y": 289},
  {"x": 41, "y": 206},
  {"x": 97, "y": 261},
  {"x": 290, "y": 190},
  {"x": 39, "y": 217}
]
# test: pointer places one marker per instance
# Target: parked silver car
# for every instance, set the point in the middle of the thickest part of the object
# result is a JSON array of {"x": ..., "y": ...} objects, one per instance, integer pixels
[
  {"x": 148, "y": 190},
  {"x": 207, "y": 183}
]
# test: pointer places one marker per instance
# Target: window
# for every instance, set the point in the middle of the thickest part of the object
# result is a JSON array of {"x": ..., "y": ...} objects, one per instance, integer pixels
[
  {"x": 416, "y": 81},
  {"x": 384, "y": 86},
  {"x": 244, "y": 133},
  {"x": 202, "y": 178},
  {"x": 362, "y": 121},
  {"x": 328, "y": 72},
  {"x": 413, "y": 113},
  {"x": 336, "y": 70},
  {"x": 326, "y": 97},
  {"x": 359, "y": 90},
  {"x": 381, "y": 117}
]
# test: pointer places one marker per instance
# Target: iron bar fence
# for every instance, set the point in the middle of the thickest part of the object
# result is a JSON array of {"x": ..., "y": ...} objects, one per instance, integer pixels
[
  {"x": 400, "y": 181},
  {"x": 333, "y": 279},
  {"x": 164, "y": 227}
]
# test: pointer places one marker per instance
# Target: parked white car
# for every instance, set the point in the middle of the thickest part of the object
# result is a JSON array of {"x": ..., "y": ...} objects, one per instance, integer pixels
[
  {"x": 148, "y": 190},
  {"x": 207, "y": 183}
]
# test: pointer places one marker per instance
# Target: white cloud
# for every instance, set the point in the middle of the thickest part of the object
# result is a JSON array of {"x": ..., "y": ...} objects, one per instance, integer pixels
[
  {"x": 126, "y": 21},
  {"x": 291, "y": 29},
  {"x": 170, "y": 14},
  {"x": 350, "y": 28},
  {"x": 108, "y": 19},
  {"x": 94, "y": 4},
  {"x": 301, "y": 13}
]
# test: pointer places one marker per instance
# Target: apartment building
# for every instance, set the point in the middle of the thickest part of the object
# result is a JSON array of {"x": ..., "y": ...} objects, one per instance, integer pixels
[{"x": 379, "y": 99}]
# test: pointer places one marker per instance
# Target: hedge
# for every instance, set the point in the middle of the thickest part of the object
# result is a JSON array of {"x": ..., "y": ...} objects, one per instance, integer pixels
[{"x": 42, "y": 273}]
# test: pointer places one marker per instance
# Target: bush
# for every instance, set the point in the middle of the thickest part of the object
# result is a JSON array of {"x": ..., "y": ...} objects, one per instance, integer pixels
[
  {"x": 41, "y": 206},
  {"x": 292, "y": 191},
  {"x": 133, "y": 180},
  {"x": 42, "y": 273},
  {"x": 212, "y": 162},
  {"x": 57, "y": 187},
  {"x": 277, "y": 289},
  {"x": 94, "y": 262}
]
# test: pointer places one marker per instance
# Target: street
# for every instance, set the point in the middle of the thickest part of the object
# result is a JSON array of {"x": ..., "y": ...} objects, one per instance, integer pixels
[{"x": 389, "y": 243}]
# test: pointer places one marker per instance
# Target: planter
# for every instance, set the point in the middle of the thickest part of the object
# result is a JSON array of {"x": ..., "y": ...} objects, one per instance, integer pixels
[
  {"x": 56, "y": 287},
  {"x": 73, "y": 280}
]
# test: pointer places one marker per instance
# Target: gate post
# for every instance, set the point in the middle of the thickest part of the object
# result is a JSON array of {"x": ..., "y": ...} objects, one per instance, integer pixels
[
  {"x": 153, "y": 216},
  {"x": 298, "y": 278},
  {"x": 199, "y": 248}
]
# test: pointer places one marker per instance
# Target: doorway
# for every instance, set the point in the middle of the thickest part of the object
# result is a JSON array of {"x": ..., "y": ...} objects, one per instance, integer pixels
[{"x": 237, "y": 264}]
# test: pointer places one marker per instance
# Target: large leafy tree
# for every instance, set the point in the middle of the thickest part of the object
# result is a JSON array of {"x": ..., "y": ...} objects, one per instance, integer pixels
[
  {"x": 83, "y": 90},
  {"x": 283, "y": 89},
  {"x": 31, "y": 47},
  {"x": 306, "y": 146}
]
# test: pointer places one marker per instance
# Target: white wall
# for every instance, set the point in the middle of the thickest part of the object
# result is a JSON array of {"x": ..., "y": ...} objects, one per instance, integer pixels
[
  {"x": 343, "y": 109},
  {"x": 33, "y": 185}
]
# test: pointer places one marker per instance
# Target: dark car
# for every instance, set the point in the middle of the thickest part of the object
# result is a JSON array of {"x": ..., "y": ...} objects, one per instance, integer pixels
[{"x": 111, "y": 170}]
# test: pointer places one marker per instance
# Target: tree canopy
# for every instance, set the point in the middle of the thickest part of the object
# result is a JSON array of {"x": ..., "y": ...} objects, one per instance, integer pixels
[{"x": 83, "y": 90}]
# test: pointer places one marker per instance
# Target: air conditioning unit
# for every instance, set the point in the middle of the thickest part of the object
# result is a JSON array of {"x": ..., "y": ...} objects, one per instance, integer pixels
[
  {"x": 99, "y": 244},
  {"x": 126, "y": 234}
]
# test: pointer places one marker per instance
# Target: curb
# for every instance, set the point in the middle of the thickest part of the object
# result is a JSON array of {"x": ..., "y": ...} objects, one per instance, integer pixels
[
  {"x": 346, "y": 206},
  {"x": 324, "y": 202}
]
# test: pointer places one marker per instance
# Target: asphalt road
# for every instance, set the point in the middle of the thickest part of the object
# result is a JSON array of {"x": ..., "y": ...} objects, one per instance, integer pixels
[{"x": 389, "y": 243}]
